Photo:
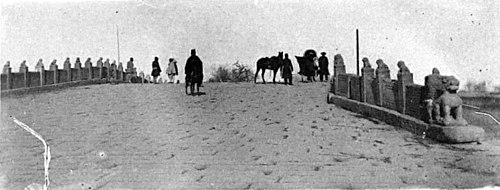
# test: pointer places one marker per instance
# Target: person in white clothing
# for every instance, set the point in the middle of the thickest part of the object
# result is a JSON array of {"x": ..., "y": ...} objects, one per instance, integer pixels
[{"x": 172, "y": 70}]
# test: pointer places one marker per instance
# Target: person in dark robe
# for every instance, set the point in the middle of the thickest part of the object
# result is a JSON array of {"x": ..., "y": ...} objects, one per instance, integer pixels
[
  {"x": 286, "y": 70},
  {"x": 194, "y": 72},
  {"x": 156, "y": 70},
  {"x": 323, "y": 67}
]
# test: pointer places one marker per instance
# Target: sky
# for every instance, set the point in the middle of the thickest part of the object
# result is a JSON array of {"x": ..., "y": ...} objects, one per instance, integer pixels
[{"x": 460, "y": 38}]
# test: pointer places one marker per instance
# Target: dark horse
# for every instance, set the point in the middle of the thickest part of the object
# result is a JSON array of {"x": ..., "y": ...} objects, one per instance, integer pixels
[
  {"x": 306, "y": 64},
  {"x": 273, "y": 63}
]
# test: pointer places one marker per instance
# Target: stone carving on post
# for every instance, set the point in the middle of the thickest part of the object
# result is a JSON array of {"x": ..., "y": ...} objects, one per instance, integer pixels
[
  {"x": 338, "y": 68},
  {"x": 67, "y": 64},
  {"x": 7, "y": 71},
  {"x": 40, "y": 68},
  {"x": 39, "y": 65},
  {"x": 383, "y": 74},
  {"x": 100, "y": 65},
  {"x": 433, "y": 88},
  {"x": 367, "y": 77},
  {"x": 6, "y": 68},
  {"x": 53, "y": 67},
  {"x": 338, "y": 65},
  {"x": 107, "y": 66},
  {"x": 67, "y": 67},
  {"x": 113, "y": 70},
  {"x": 88, "y": 65},
  {"x": 78, "y": 67},
  {"x": 24, "y": 69},
  {"x": 141, "y": 75},
  {"x": 130, "y": 70},
  {"x": 405, "y": 77},
  {"x": 120, "y": 72}
]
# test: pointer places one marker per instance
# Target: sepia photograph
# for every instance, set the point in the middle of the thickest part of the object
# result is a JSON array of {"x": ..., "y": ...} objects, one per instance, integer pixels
[{"x": 249, "y": 94}]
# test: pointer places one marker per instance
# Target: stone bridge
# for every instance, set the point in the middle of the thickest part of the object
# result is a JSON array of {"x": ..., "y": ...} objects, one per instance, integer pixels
[{"x": 237, "y": 136}]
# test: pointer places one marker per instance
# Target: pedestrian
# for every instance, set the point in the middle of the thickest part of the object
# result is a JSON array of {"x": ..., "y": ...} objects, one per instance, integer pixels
[
  {"x": 286, "y": 70},
  {"x": 323, "y": 67},
  {"x": 172, "y": 70},
  {"x": 156, "y": 70},
  {"x": 194, "y": 72}
]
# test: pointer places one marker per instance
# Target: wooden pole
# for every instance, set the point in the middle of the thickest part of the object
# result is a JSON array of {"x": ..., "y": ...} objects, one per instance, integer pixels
[
  {"x": 357, "y": 53},
  {"x": 118, "y": 43}
]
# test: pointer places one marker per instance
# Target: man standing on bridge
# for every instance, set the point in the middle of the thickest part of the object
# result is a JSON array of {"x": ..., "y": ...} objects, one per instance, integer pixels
[
  {"x": 194, "y": 72},
  {"x": 323, "y": 67},
  {"x": 156, "y": 70},
  {"x": 286, "y": 70}
]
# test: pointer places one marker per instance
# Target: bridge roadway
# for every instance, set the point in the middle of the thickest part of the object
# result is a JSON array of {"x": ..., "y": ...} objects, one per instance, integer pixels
[{"x": 237, "y": 136}]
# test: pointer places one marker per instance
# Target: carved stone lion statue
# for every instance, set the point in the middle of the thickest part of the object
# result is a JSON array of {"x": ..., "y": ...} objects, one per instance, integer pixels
[{"x": 448, "y": 107}]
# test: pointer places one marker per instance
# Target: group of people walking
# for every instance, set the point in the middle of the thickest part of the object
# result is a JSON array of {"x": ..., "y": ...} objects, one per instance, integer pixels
[{"x": 193, "y": 71}]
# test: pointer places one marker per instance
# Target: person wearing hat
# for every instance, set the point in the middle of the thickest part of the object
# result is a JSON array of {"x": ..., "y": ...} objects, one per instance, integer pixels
[
  {"x": 286, "y": 70},
  {"x": 172, "y": 70},
  {"x": 194, "y": 72},
  {"x": 323, "y": 67}
]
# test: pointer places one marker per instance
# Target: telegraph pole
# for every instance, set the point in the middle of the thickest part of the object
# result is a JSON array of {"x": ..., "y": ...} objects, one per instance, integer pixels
[
  {"x": 118, "y": 43},
  {"x": 357, "y": 52}
]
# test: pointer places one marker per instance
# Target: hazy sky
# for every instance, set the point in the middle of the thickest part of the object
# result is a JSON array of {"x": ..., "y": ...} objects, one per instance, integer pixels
[{"x": 460, "y": 38}]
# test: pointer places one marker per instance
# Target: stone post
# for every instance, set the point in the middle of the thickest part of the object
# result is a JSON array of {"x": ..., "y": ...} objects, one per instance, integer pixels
[
  {"x": 42, "y": 74},
  {"x": 24, "y": 70},
  {"x": 88, "y": 66},
  {"x": 8, "y": 72},
  {"x": 108, "y": 68},
  {"x": 67, "y": 67},
  {"x": 53, "y": 67},
  {"x": 405, "y": 77},
  {"x": 383, "y": 74},
  {"x": 367, "y": 77},
  {"x": 120, "y": 72},
  {"x": 99, "y": 65},
  {"x": 338, "y": 68},
  {"x": 78, "y": 67},
  {"x": 148, "y": 78},
  {"x": 113, "y": 71},
  {"x": 141, "y": 75}
]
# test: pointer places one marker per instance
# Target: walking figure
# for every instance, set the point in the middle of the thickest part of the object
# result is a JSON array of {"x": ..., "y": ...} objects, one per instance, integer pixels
[
  {"x": 172, "y": 70},
  {"x": 323, "y": 67},
  {"x": 194, "y": 72},
  {"x": 286, "y": 70},
  {"x": 156, "y": 70}
]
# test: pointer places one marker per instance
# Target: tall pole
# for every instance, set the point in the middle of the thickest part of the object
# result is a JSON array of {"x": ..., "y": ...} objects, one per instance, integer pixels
[
  {"x": 357, "y": 52},
  {"x": 118, "y": 43}
]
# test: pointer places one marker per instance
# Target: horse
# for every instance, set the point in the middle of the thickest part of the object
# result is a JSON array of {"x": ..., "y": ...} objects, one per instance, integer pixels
[
  {"x": 273, "y": 63},
  {"x": 307, "y": 65}
]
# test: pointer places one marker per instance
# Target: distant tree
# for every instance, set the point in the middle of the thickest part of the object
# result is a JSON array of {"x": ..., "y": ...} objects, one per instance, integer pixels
[
  {"x": 239, "y": 73},
  {"x": 221, "y": 74},
  {"x": 471, "y": 86}
]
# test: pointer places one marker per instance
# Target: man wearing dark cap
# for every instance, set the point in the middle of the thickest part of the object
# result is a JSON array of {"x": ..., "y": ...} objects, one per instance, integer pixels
[
  {"x": 286, "y": 70},
  {"x": 323, "y": 67},
  {"x": 194, "y": 72}
]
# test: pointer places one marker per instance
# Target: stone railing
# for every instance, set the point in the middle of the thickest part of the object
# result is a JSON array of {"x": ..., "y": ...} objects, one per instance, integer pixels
[
  {"x": 396, "y": 101},
  {"x": 40, "y": 77}
]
